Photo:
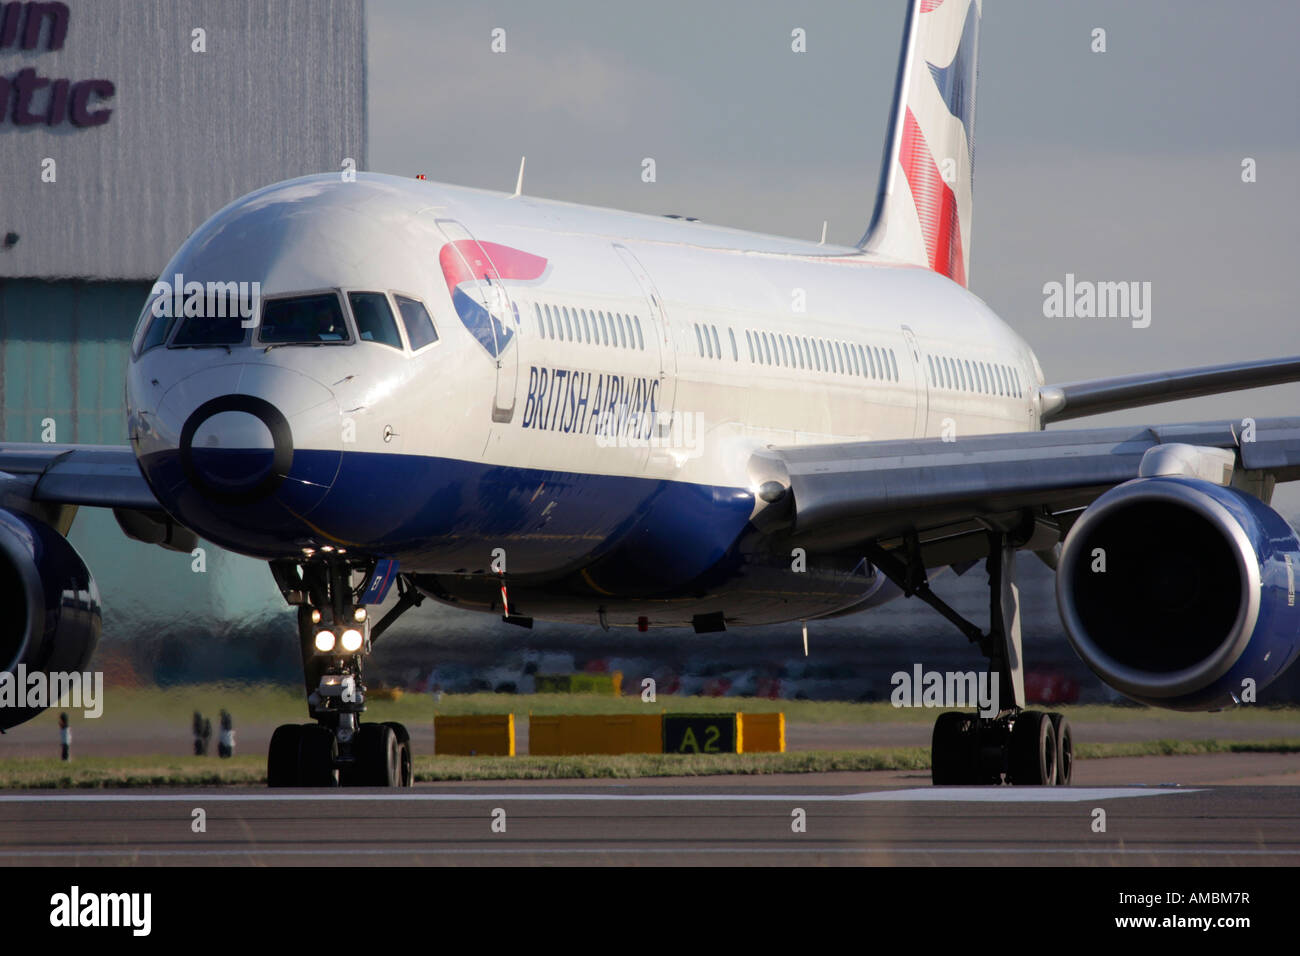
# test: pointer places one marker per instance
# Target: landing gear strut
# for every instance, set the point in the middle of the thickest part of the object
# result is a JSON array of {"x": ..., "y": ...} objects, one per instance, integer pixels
[
  {"x": 335, "y": 634},
  {"x": 1022, "y": 747}
]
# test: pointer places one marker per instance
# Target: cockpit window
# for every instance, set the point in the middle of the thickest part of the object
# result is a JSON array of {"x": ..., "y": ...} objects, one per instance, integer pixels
[
  {"x": 374, "y": 318},
  {"x": 152, "y": 330},
  {"x": 303, "y": 320},
  {"x": 415, "y": 317},
  {"x": 205, "y": 330},
  {"x": 159, "y": 328}
]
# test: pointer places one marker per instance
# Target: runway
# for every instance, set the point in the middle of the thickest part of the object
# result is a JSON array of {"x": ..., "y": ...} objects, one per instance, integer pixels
[{"x": 813, "y": 819}]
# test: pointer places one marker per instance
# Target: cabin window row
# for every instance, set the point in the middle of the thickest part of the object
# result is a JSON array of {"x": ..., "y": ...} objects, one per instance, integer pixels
[
  {"x": 589, "y": 326},
  {"x": 709, "y": 343},
  {"x": 822, "y": 355},
  {"x": 970, "y": 375}
]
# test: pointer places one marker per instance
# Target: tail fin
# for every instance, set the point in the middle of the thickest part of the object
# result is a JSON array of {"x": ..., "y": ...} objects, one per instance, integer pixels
[{"x": 923, "y": 208}]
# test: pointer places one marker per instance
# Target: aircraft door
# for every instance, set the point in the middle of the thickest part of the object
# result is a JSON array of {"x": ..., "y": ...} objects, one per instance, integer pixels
[
  {"x": 921, "y": 384},
  {"x": 662, "y": 335}
]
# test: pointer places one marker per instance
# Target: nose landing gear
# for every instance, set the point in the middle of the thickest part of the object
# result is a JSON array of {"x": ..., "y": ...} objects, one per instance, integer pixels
[{"x": 334, "y": 633}]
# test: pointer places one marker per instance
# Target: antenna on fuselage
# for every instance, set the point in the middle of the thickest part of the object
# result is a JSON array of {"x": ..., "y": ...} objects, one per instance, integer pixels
[
  {"x": 823, "y": 240},
  {"x": 519, "y": 183}
]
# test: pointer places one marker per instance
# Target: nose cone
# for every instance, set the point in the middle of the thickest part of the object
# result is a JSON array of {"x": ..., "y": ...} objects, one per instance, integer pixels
[
  {"x": 242, "y": 453},
  {"x": 236, "y": 448}
]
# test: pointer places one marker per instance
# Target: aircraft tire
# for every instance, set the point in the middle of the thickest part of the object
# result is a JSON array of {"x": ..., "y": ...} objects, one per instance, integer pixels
[
  {"x": 1064, "y": 749},
  {"x": 1032, "y": 756},
  {"x": 282, "y": 756},
  {"x": 952, "y": 753}
]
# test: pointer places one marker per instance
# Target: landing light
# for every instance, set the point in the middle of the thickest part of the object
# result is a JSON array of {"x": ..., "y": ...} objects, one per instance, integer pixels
[
  {"x": 351, "y": 640},
  {"x": 315, "y": 615},
  {"x": 325, "y": 641},
  {"x": 359, "y": 615}
]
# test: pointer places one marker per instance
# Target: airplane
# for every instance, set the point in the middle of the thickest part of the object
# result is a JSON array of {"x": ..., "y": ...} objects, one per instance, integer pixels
[{"x": 542, "y": 410}]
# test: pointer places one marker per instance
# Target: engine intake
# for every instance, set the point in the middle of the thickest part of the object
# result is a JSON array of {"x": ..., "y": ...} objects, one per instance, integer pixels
[
  {"x": 1175, "y": 591},
  {"x": 50, "y": 616}
]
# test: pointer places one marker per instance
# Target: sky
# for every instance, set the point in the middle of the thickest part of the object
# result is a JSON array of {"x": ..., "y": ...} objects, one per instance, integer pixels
[{"x": 1115, "y": 166}]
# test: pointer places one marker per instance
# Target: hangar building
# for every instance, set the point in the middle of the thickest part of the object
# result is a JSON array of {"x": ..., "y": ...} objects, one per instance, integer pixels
[{"x": 124, "y": 124}]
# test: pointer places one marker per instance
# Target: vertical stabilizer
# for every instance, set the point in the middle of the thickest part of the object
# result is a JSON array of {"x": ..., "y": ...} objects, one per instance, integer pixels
[{"x": 923, "y": 208}]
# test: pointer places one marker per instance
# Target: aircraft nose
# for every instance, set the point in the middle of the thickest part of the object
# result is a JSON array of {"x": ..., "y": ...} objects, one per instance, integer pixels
[
  {"x": 236, "y": 448},
  {"x": 242, "y": 453}
]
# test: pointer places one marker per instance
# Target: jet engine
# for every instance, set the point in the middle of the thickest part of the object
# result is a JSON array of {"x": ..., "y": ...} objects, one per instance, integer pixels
[
  {"x": 1181, "y": 593},
  {"x": 49, "y": 607}
]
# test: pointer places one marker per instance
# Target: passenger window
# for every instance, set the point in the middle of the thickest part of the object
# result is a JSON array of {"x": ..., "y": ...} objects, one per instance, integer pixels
[
  {"x": 550, "y": 322},
  {"x": 893, "y": 362},
  {"x": 749, "y": 345},
  {"x": 717, "y": 346},
  {"x": 767, "y": 349},
  {"x": 374, "y": 318},
  {"x": 541, "y": 324},
  {"x": 640, "y": 339},
  {"x": 415, "y": 319},
  {"x": 699, "y": 341},
  {"x": 735, "y": 352}
]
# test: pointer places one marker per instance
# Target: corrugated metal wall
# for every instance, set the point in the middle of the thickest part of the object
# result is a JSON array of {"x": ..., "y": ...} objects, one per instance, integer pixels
[
  {"x": 280, "y": 92},
  {"x": 63, "y": 354}
]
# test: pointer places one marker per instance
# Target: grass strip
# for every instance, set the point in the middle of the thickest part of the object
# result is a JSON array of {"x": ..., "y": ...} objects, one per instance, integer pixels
[{"x": 161, "y": 771}]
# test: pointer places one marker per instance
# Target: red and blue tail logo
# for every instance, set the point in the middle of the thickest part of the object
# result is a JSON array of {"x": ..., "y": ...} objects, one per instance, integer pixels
[{"x": 476, "y": 273}]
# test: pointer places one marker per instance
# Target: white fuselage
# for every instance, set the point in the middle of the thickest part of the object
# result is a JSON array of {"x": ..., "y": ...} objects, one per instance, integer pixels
[{"x": 645, "y": 348}]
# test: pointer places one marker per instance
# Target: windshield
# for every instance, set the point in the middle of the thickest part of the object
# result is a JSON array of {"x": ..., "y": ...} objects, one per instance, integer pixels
[{"x": 303, "y": 320}]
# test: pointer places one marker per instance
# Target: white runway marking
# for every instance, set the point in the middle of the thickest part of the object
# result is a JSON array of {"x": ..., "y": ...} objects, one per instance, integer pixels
[
  {"x": 927, "y": 794},
  {"x": 1017, "y": 794}
]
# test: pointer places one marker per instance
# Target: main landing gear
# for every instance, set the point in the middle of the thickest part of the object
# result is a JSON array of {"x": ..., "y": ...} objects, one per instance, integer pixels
[
  {"x": 335, "y": 634},
  {"x": 1025, "y": 747},
  {"x": 1018, "y": 746}
]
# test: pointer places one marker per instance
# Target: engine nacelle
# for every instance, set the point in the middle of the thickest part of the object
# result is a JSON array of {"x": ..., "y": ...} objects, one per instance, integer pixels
[
  {"x": 50, "y": 616},
  {"x": 1175, "y": 591}
]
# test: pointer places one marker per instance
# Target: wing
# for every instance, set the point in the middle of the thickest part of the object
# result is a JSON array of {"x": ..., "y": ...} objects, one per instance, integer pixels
[
  {"x": 1095, "y": 396},
  {"x": 54, "y": 479},
  {"x": 1031, "y": 485},
  {"x": 105, "y": 476}
]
